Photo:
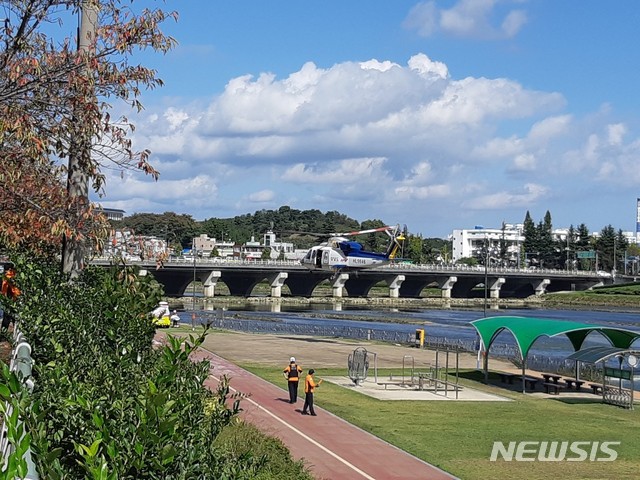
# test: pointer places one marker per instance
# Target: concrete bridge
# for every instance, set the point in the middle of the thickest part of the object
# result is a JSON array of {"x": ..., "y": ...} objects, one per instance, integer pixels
[{"x": 402, "y": 280}]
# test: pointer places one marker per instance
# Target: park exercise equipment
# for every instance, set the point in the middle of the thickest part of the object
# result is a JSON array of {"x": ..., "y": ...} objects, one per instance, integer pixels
[{"x": 358, "y": 364}]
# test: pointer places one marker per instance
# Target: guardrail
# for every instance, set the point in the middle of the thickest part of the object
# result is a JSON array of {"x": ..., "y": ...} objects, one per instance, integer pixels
[
  {"x": 20, "y": 364},
  {"x": 218, "y": 320}
]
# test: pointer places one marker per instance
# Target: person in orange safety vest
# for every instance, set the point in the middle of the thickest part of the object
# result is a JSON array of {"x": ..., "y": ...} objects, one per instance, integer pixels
[
  {"x": 292, "y": 374},
  {"x": 309, "y": 387}
]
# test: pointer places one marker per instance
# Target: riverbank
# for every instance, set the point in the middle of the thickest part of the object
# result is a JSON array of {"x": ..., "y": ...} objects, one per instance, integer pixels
[{"x": 426, "y": 302}]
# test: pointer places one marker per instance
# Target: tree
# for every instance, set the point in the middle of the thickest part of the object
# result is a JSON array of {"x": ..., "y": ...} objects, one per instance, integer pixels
[
  {"x": 570, "y": 247},
  {"x": 55, "y": 107},
  {"x": 436, "y": 250},
  {"x": 376, "y": 241},
  {"x": 546, "y": 244},
  {"x": 583, "y": 243},
  {"x": 620, "y": 247},
  {"x": 531, "y": 244},
  {"x": 413, "y": 249}
]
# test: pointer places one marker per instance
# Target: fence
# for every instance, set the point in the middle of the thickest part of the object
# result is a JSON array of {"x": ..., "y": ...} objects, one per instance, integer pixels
[
  {"x": 20, "y": 364},
  {"x": 218, "y": 320}
]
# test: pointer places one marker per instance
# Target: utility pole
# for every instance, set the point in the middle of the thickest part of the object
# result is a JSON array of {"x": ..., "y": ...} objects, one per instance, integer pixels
[{"x": 80, "y": 149}]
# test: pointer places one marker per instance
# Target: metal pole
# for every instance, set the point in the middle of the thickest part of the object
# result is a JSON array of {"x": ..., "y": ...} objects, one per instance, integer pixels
[
  {"x": 486, "y": 260},
  {"x": 620, "y": 358},
  {"x": 457, "y": 370},
  {"x": 193, "y": 313},
  {"x": 567, "y": 250},
  {"x": 632, "y": 386}
]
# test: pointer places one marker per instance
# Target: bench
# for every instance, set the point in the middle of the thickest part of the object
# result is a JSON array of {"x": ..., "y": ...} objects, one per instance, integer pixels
[
  {"x": 571, "y": 381},
  {"x": 552, "y": 388},
  {"x": 549, "y": 377},
  {"x": 531, "y": 382},
  {"x": 507, "y": 377},
  {"x": 597, "y": 389}
]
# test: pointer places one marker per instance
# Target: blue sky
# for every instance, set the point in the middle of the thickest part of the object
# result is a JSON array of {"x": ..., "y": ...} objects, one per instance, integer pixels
[{"x": 440, "y": 115}]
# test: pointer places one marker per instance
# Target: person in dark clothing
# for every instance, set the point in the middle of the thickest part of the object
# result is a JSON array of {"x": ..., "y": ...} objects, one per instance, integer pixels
[
  {"x": 309, "y": 387},
  {"x": 292, "y": 374}
]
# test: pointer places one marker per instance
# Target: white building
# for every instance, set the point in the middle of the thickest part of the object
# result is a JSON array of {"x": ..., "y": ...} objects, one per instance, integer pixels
[
  {"x": 126, "y": 244},
  {"x": 471, "y": 243},
  {"x": 205, "y": 245},
  {"x": 286, "y": 249},
  {"x": 252, "y": 250}
]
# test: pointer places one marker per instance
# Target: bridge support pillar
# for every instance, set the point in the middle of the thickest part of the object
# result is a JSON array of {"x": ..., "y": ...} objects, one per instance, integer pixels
[
  {"x": 277, "y": 281},
  {"x": 210, "y": 284},
  {"x": 394, "y": 286},
  {"x": 446, "y": 287},
  {"x": 337, "y": 284},
  {"x": 494, "y": 287},
  {"x": 541, "y": 287}
]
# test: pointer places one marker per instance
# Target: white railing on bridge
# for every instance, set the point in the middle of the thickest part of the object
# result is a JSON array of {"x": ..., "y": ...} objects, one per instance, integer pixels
[{"x": 445, "y": 268}]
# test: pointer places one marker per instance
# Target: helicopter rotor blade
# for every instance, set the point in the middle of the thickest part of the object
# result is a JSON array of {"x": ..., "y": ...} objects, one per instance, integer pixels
[{"x": 360, "y": 232}]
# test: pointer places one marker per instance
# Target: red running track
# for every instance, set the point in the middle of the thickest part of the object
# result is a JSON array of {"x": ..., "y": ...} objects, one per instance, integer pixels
[{"x": 332, "y": 448}]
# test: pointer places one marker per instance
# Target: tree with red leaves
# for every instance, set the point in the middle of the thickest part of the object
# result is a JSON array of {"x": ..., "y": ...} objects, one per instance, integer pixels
[{"x": 56, "y": 131}]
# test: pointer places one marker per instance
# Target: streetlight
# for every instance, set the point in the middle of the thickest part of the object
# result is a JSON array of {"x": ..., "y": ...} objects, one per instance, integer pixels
[
  {"x": 193, "y": 312},
  {"x": 568, "y": 250},
  {"x": 486, "y": 280}
]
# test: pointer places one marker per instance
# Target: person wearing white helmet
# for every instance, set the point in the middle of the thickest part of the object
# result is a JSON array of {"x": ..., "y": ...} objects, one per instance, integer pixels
[{"x": 292, "y": 374}]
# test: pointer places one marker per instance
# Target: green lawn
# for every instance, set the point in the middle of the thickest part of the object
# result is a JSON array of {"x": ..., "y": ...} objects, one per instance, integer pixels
[{"x": 458, "y": 436}]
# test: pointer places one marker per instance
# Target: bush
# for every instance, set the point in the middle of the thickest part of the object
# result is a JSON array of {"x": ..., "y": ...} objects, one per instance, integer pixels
[
  {"x": 106, "y": 404},
  {"x": 244, "y": 441}
]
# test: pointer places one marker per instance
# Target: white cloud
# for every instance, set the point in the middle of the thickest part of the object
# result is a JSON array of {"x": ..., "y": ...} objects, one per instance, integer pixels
[
  {"x": 549, "y": 128},
  {"x": 262, "y": 196},
  {"x": 342, "y": 172},
  {"x": 615, "y": 133},
  {"x": 524, "y": 162},
  {"x": 374, "y": 135},
  {"x": 138, "y": 192},
  {"x": 474, "y": 100},
  {"x": 531, "y": 194},
  {"x": 175, "y": 117},
  {"x": 513, "y": 23},
  {"x": 422, "y": 193},
  {"x": 466, "y": 19}
]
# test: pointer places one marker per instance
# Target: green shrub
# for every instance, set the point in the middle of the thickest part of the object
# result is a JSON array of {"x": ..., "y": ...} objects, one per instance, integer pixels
[
  {"x": 241, "y": 440},
  {"x": 106, "y": 404}
]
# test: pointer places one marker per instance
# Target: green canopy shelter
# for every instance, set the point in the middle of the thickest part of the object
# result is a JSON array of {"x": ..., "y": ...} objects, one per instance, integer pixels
[
  {"x": 600, "y": 354},
  {"x": 526, "y": 330}
]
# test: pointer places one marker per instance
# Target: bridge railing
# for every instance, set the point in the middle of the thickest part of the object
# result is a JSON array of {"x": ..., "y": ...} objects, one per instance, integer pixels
[
  {"x": 480, "y": 268},
  {"x": 437, "y": 268}
]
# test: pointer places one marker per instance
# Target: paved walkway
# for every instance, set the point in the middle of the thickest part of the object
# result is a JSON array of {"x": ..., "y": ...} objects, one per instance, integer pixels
[{"x": 332, "y": 448}]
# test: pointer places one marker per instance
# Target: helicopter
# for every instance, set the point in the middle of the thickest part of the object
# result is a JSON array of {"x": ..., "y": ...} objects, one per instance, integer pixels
[{"x": 339, "y": 253}]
